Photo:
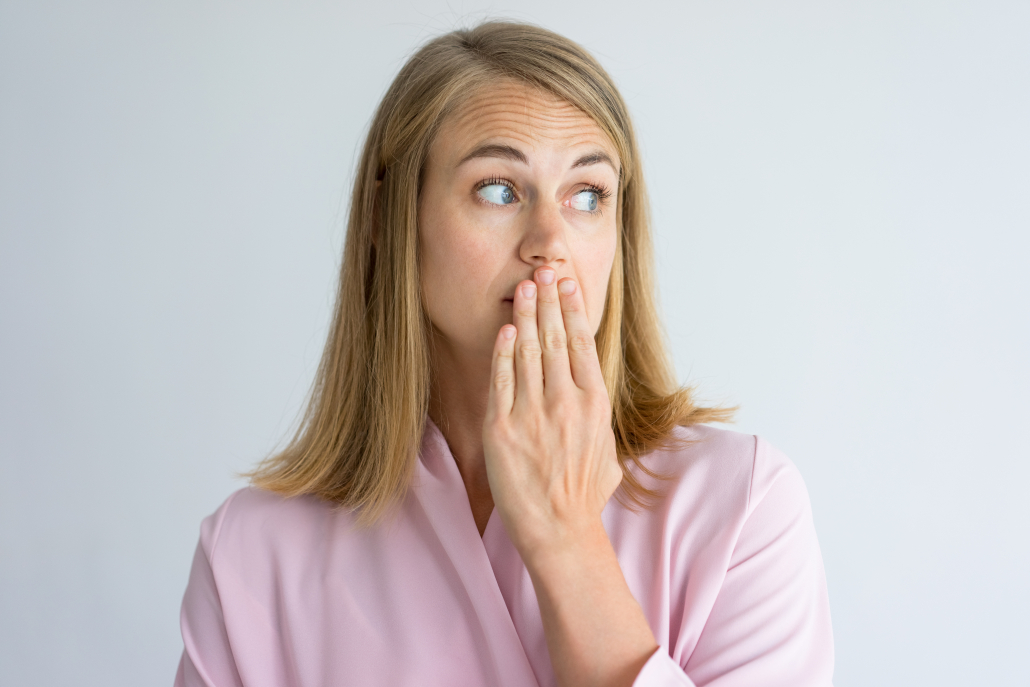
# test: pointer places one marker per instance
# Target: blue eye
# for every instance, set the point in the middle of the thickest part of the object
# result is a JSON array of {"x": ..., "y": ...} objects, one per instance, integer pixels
[
  {"x": 585, "y": 200},
  {"x": 498, "y": 194}
]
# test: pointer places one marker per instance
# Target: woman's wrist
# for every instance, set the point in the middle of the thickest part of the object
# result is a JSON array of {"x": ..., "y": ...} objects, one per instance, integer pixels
[
  {"x": 563, "y": 545},
  {"x": 597, "y": 632}
]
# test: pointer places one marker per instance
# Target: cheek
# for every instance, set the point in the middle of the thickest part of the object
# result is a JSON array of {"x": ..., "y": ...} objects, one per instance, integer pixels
[
  {"x": 452, "y": 264},
  {"x": 433, "y": 251},
  {"x": 598, "y": 262},
  {"x": 456, "y": 267}
]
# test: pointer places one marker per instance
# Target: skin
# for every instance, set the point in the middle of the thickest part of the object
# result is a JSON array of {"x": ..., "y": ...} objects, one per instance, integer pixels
[{"x": 515, "y": 292}]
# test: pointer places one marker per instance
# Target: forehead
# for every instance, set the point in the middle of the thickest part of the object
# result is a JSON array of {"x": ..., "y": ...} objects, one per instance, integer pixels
[{"x": 527, "y": 116}]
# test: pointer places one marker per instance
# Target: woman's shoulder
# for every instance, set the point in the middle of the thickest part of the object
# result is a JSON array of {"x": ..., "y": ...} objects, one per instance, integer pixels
[
  {"x": 255, "y": 520},
  {"x": 729, "y": 472}
]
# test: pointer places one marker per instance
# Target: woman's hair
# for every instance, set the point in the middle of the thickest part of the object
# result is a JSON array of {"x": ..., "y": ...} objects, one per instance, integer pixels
[{"x": 359, "y": 437}]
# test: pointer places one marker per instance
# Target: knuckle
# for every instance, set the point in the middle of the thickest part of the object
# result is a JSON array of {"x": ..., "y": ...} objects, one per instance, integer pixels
[
  {"x": 554, "y": 341},
  {"x": 597, "y": 401},
  {"x": 570, "y": 306},
  {"x": 504, "y": 381},
  {"x": 529, "y": 351},
  {"x": 562, "y": 406},
  {"x": 495, "y": 427},
  {"x": 581, "y": 342},
  {"x": 525, "y": 312}
]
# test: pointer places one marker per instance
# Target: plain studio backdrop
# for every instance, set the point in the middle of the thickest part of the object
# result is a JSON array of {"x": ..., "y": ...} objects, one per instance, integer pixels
[{"x": 841, "y": 196}]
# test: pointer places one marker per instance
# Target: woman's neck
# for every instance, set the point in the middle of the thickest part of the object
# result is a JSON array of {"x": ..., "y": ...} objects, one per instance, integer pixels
[{"x": 457, "y": 405}]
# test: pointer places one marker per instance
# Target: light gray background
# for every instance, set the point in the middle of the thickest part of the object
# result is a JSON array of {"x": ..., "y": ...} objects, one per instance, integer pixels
[{"x": 841, "y": 195}]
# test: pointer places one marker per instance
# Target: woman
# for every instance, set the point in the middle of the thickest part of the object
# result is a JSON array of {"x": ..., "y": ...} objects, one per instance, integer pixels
[{"x": 496, "y": 364}]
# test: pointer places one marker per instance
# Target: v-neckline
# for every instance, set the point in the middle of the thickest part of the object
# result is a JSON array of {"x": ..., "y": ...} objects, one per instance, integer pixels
[{"x": 441, "y": 492}]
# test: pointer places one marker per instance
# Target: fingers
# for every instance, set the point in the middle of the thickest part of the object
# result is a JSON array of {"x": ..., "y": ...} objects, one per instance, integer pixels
[
  {"x": 553, "y": 338},
  {"x": 582, "y": 350},
  {"x": 529, "y": 380},
  {"x": 502, "y": 373}
]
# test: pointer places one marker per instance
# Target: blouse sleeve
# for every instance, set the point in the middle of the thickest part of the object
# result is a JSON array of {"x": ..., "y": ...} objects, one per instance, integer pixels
[
  {"x": 207, "y": 657},
  {"x": 770, "y": 623}
]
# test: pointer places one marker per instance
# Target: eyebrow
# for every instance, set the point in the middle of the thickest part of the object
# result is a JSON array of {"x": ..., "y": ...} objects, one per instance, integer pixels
[
  {"x": 507, "y": 152},
  {"x": 496, "y": 150},
  {"x": 595, "y": 158}
]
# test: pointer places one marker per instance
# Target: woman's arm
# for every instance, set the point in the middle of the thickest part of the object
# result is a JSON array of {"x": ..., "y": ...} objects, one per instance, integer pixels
[
  {"x": 596, "y": 631},
  {"x": 551, "y": 461},
  {"x": 770, "y": 623},
  {"x": 552, "y": 465},
  {"x": 207, "y": 657}
]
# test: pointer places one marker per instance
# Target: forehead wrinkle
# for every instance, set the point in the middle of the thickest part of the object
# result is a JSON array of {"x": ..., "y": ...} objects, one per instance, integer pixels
[
  {"x": 527, "y": 115},
  {"x": 506, "y": 113}
]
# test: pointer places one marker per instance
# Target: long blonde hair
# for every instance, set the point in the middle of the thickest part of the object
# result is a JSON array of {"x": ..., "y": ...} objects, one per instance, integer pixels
[{"x": 359, "y": 437}]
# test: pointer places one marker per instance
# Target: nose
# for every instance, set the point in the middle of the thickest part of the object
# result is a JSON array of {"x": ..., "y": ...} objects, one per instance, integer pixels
[{"x": 544, "y": 240}]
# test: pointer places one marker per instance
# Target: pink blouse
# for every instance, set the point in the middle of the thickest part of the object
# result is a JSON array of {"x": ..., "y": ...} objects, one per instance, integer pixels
[{"x": 726, "y": 567}]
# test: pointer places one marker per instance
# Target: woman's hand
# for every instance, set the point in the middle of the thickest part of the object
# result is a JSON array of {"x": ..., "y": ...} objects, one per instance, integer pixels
[
  {"x": 552, "y": 466},
  {"x": 547, "y": 438}
]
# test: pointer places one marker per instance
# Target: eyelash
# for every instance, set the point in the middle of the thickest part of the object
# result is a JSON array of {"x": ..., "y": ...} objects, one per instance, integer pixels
[
  {"x": 602, "y": 191},
  {"x": 494, "y": 181}
]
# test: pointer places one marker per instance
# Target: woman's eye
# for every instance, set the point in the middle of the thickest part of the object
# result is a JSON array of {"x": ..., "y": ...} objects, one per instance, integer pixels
[
  {"x": 584, "y": 200},
  {"x": 498, "y": 194}
]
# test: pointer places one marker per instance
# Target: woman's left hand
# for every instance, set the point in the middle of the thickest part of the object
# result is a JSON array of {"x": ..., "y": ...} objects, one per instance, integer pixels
[{"x": 547, "y": 438}]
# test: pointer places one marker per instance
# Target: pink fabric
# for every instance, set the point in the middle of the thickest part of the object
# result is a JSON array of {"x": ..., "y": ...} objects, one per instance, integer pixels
[{"x": 726, "y": 567}]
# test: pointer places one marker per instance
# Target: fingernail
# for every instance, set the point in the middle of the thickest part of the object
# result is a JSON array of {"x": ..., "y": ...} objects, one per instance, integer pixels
[
  {"x": 508, "y": 332},
  {"x": 545, "y": 276},
  {"x": 567, "y": 287},
  {"x": 529, "y": 290}
]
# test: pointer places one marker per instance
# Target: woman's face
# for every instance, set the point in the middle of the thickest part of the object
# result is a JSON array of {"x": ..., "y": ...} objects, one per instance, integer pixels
[{"x": 516, "y": 179}]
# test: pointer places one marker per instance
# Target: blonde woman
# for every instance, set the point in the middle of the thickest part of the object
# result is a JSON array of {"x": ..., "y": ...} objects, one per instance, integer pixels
[{"x": 497, "y": 480}]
